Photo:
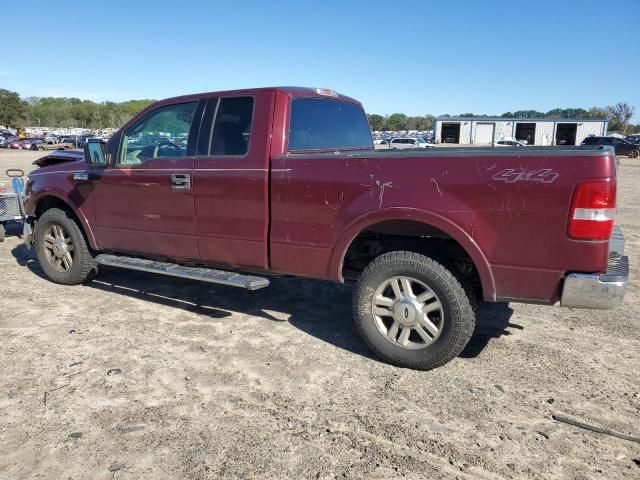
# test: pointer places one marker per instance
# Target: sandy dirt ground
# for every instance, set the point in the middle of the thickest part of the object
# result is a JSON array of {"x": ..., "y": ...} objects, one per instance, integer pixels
[{"x": 137, "y": 376}]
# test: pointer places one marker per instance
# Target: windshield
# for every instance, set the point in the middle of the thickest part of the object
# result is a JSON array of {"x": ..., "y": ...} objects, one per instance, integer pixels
[{"x": 324, "y": 124}]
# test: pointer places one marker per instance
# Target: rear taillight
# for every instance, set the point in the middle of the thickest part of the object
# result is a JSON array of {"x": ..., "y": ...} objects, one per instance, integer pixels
[{"x": 592, "y": 210}]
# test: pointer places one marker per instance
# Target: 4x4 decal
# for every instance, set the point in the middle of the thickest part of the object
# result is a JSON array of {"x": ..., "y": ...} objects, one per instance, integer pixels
[{"x": 512, "y": 175}]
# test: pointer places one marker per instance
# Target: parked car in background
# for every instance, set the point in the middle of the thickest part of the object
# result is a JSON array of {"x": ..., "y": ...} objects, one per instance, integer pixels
[
  {"x": 404, "y": 142},
  {"x": 450, "y": 139},
  {"x": 510, "y": 143},
  {"x": 27, "y": 142},
  {"x": 621, "y": 146},
  {"x": 51, "y": 144},
  {"x": 6, "y": 141},
  {"x": 77, "y": 140},
  {"x": 35, "y": 142},
  {"x": 18, "y": 144},
  {"x": 635, "y": 139}
]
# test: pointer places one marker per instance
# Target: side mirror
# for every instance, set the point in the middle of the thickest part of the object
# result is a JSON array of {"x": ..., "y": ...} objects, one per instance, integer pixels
[{"x": 95, "y": 153}]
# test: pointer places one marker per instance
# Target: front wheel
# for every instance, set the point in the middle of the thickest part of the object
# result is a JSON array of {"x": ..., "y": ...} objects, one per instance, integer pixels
[
  {"x": 412, "y": 311},
  {"x": 61, "y": 248},
  {"x": 634, "y": 153}
]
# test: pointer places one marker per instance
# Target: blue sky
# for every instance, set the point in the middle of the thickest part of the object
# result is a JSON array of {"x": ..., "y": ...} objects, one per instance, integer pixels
[{"x": 414, "y": 57}]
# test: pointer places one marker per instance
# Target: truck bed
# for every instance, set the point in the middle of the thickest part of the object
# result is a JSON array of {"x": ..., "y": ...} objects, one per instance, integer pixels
[{"x": 507, "y": 207}]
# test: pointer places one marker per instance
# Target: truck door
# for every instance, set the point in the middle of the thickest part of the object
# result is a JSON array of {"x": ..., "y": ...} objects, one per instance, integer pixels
[
  {"x": 231, "y": 180},
  {"x": 144, "y": 200}
]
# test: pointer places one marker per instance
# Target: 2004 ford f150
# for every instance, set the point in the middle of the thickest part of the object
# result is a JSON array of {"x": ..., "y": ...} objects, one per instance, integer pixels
[{"x": 286, "y": 181}]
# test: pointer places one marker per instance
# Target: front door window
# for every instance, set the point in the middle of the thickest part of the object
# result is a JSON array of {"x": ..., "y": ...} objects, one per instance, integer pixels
[{"x": 161, "y": 133}]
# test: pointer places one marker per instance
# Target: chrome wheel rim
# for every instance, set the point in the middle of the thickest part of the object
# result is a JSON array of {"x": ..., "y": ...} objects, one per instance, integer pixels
[
  {"x": 407, "y": 312},
  {"x": 58, "y": 248}
]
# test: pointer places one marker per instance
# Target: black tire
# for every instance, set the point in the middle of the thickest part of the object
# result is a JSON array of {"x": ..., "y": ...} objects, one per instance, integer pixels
[
  {"x": 83, "y": 264},
  {"x": 459, "y": 317},
  {"x": 2, "y": 232},
  {"x": 634, "y": 153}
]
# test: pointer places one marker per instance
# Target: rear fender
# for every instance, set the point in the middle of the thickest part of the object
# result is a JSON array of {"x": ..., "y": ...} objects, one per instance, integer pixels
[{"x": 428, "y": 218}]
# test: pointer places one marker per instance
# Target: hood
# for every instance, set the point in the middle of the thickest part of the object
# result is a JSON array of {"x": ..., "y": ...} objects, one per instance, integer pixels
[{"x": 60, "y": 156}]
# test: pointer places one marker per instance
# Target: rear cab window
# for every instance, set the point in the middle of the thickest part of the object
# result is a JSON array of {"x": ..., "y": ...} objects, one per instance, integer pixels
[
  {"x": 327, "y": 124},
  {"x": 232, "y": 127}
]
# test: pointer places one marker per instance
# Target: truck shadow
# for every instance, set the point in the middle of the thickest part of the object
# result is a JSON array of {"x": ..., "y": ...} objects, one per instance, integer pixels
[
  {"x": 319, "y": 308},
  {"x": 492, "y": 321}
]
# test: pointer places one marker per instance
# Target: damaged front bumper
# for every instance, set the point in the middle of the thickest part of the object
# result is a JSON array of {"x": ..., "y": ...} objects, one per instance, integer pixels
[{"x": 603, "y": 290}]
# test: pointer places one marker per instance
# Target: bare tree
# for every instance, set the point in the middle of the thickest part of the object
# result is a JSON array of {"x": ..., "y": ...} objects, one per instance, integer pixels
[
  {"x": 599, "y": 112},
  {"x": 623, "y": 112}
]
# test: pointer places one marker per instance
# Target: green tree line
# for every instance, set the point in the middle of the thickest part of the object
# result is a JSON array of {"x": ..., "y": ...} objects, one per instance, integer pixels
[
  {"x": 65, "y": 112},
  {"x": 618, "y": 116},
  {"x": 73, "y": 112}
]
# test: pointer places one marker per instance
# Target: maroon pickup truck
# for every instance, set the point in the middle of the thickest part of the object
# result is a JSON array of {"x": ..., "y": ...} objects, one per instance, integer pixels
[{"x": 286, "y": 181}]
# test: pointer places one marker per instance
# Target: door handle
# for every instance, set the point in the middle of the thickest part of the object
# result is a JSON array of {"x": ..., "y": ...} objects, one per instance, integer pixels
[{"x": 180, "y": 181}]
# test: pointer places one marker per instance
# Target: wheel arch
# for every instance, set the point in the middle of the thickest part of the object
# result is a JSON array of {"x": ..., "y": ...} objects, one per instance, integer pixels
[
  {"x": 428, "y": 221},
  {"x": 54, "y": 199}
]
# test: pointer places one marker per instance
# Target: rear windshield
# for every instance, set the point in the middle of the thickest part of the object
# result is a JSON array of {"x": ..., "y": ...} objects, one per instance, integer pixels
[{"x": 323, "y": 124}]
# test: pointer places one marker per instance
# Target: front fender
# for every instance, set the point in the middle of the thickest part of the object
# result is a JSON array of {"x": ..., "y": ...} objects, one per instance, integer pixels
[{"x": 36, "y": 197}]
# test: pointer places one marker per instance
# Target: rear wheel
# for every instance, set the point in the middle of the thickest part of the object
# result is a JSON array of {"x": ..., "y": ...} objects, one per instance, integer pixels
[
  {"x": 412, "y": 311},
  {"x": 634, "y": 153},
  {"x": 61, "y": 248}
]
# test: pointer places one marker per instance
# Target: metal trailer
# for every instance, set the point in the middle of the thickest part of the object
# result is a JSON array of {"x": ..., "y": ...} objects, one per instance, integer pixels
[{"x": 11, "y": 204}]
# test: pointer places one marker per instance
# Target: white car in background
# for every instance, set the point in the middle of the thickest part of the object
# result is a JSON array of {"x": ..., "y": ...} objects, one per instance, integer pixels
[
  {"x": 510, "y": 143},
  {"x": 404, "y": 142}
]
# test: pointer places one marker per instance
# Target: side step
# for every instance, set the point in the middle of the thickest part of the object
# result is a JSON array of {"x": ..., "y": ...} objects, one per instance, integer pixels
[{"x": 209, "y": 275}]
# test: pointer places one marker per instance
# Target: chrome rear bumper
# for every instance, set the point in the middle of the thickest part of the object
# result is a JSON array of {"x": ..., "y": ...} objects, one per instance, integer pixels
[{"x": 603, "y": 290}]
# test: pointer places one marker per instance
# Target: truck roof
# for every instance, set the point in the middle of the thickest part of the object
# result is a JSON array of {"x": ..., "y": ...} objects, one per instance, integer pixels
[{"x": 292, "y": 92}]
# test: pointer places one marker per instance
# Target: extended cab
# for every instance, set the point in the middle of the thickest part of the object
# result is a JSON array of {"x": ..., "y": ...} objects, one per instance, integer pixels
[{"x": 286, "y": 181}]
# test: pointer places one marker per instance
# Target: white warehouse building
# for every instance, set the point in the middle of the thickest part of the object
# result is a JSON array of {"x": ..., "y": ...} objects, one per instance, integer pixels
[{"x": 535, "y": 131}]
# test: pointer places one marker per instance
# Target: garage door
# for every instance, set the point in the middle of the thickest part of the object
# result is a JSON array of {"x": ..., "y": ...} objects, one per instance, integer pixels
[{"x": 483, "y": 134}]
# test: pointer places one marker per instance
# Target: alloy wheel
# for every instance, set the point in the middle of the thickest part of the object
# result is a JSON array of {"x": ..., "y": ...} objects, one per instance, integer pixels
[
  {"x": 408, "y": 312},
  {"x": 58, "y": 248}
]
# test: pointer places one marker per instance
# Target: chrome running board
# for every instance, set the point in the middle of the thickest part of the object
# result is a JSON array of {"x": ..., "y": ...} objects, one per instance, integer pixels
[{"x": 201, "y": 274}]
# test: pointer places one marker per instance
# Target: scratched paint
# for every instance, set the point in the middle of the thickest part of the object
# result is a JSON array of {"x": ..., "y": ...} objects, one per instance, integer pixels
[{"x": 435, "y": 182}]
